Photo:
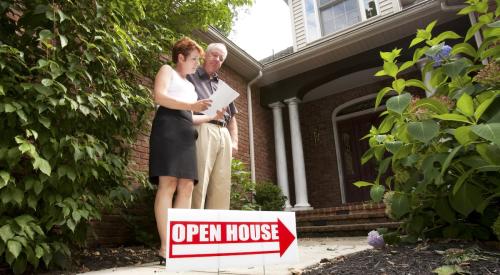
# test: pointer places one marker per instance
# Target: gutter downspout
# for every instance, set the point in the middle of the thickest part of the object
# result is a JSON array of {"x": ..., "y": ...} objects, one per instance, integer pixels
[
  {"x": 250, "y": 125},
  {"x": 472, "y": 19}
]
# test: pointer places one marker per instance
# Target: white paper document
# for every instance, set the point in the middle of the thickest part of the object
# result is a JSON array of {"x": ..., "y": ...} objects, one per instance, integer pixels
[{"x": 221, "y": 98}]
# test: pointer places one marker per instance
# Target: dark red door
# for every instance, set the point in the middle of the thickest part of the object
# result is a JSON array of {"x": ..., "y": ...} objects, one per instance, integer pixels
[{"x": 352, "y": 149}]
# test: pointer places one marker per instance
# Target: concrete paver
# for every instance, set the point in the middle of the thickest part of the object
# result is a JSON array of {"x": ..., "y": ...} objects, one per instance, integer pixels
[{"x": 311, "y": 251}]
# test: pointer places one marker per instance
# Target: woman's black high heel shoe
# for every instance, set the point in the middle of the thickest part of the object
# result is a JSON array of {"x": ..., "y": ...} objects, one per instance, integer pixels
[{"x": 163, "y": 260}]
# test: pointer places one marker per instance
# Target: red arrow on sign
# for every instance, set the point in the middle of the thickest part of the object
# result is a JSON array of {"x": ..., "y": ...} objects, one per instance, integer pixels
[
  {"x": 286, "y": 237},
  {"x": 195, "y": 233}
]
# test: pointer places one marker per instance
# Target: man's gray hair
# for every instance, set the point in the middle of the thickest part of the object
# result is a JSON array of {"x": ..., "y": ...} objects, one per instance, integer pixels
[{"x": 217, "y": 46}]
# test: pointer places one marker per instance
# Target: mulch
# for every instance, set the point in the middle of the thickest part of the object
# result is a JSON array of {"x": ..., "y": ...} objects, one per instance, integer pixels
[
  {"x": 87, "y": 260},
  {"x": 104, "y": 258},
  {"x": 424, "y": 258}
]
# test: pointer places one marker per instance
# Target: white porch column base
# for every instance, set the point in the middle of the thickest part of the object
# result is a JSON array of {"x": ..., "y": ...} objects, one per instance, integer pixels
[
  {"x": 299, "y": 171},
  {"x": 279, "y": 145},
  {"x": 301, "y": 208}
]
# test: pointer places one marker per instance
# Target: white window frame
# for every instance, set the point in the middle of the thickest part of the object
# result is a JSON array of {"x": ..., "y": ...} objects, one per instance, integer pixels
[
  {"x": 316, "y": 18},
  {"x": 363, "y": 13},
  {"x": 361, "y": 8}
]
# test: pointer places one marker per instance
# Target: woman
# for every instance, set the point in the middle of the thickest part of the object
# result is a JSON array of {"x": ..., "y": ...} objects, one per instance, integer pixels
[{"x": 172, "y": 157}]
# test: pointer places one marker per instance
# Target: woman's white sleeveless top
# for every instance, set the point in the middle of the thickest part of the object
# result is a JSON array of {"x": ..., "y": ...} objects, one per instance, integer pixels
[{"x": 181, "y": 89}]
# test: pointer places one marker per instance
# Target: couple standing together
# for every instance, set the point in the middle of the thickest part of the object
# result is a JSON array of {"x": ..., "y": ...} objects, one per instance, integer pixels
[{"x": 190, "y": 152}]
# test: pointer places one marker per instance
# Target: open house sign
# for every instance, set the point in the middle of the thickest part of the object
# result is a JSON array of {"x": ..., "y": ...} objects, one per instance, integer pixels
[{"x": 220, "y": 238}]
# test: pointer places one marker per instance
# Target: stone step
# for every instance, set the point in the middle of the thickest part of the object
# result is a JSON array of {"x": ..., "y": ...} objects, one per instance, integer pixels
[
  {"x": 365, "y": 218},
  {"x": 342, "y": 210},
  {"x": 343, "y": 229},
  {"x": 330, "y": 217}
]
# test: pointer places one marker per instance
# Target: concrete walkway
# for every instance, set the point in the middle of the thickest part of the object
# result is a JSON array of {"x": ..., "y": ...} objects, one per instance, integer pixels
[{"x": 311, "y": 251}]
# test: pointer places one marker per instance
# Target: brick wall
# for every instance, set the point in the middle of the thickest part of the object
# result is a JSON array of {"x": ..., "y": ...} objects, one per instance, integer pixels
[{"x": 265, "y": 156}]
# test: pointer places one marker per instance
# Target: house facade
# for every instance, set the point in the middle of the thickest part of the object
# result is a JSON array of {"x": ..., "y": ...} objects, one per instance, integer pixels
[
  {"x": 329, "y": 76},
  {"x": 302, "y": 113}
]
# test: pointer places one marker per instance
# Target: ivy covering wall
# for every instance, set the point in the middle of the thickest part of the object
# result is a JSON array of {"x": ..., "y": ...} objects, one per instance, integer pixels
[{"x": 71, "y": 105}]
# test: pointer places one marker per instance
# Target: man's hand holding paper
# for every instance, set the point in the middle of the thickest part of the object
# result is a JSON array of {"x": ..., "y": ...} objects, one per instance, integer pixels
[
  {"x": 219, "y": 114},
  {"x": 221, "y": 98}
]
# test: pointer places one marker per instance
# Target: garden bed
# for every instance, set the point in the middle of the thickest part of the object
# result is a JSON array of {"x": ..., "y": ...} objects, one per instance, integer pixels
[
  {"x": 423, "y": 258},
  {"x": 473, "y": 258}
]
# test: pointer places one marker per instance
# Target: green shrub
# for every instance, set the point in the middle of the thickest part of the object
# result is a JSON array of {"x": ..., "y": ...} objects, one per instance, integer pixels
[
  {"x": 71, "y": 106},
  {"x": 69, "y": 110},
  {"x": 496, "y": 227},
  {"x": 443, "y": 150},
  {"x": 242, "y": 187},
  {"x": 269, "y": 197},
  {"x": 246, "y": 195}
]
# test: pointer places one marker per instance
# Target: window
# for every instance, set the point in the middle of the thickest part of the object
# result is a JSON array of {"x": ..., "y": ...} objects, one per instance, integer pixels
[
  {"x": 370, "y": 8},
  {"x": 338, "y": 15},
  {"x": 335, "y": 15},
  {"x": 312, "y": 26}
]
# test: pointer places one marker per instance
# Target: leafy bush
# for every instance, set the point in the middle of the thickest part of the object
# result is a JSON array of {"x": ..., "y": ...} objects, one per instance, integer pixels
[
  {"x": 247, "y": 195},
  {"x": 443, "y": 150},
  {"x": 71, "y": 105},
  {"x": 242, "y": 187},
  {"x": 496, "y": 227},
  {"x": 269, "y": 196}
]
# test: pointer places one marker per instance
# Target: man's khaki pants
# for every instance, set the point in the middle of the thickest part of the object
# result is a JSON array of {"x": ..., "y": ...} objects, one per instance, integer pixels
[{"x": 213, "y": 152}]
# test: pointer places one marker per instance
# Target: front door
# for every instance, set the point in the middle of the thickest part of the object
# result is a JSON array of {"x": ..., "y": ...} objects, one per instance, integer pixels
[{"x": 352, "y": 148}]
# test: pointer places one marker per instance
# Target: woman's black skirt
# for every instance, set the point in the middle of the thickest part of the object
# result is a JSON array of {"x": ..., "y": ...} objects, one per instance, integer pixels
[{"x": 172, "y": 145}]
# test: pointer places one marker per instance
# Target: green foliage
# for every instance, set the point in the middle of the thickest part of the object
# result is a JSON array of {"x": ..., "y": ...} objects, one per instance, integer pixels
[
  {"x": 455, "y": 258},
  {"x": 269, "y": 196},
  {"x": 449, "y": 270},
  {"x": 460, "y": 256},
  {"x": 242, "y": 187},
  {"x": 496, "y": 227},
  {"x": 247, "y": 195},
  {"x": 443, "y": 150},
  {"x": 71, "y": 106}
]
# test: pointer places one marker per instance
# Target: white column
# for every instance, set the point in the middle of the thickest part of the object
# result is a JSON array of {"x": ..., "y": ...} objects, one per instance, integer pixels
[
  {"x": 279, "y": 145},
  {"x": 299, "y": 171}
]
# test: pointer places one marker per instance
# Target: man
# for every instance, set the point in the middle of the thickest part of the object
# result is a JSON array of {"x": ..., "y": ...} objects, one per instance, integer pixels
[{"x": 217, "y": 138}]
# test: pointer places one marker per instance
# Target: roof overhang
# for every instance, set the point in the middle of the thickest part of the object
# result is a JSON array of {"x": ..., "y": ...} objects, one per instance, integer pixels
[
  {"x": 341, "y": 45},
  {"x": 237, "y": 59},
  {"x": 357, "y": 39}
]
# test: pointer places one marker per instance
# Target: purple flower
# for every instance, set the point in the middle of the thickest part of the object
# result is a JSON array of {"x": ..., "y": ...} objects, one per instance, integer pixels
[
  {"x": 437, "y": 61},
  {"x": 445, "y": 51},
  {"x": 375, "y": 239},
  {"x": 443, "y": 54}
]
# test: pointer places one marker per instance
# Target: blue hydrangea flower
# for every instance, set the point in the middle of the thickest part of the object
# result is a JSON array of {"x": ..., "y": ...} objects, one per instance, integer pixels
[
  {"x": 445, "y": 51},
  {"x": 443, "y": 54},
  {"x": 375, "y": 239}
]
